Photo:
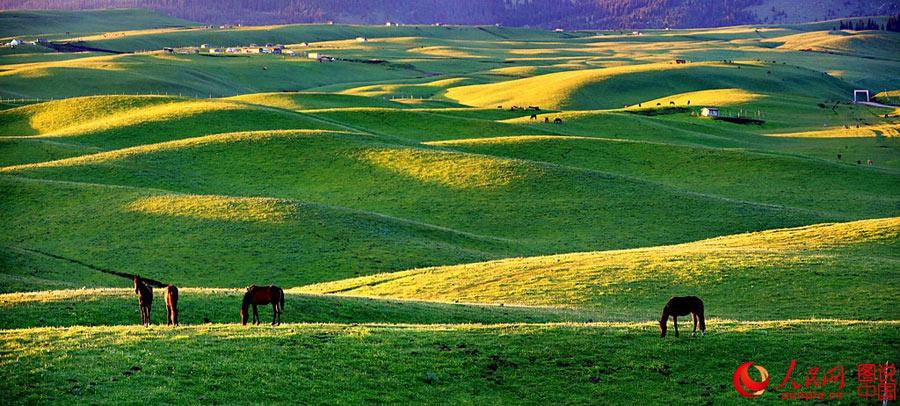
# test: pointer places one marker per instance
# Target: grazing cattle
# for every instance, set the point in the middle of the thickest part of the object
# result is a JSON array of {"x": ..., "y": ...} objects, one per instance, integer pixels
[
  {"x": 671, "y": 103},
  {"x": 869, "y": 162},
  {"x": 639, "y": 104},
  {"x": 658, "y": 104},
  {"x": 689, "y": 103},
  {"x": 557, "y": 120},
  {"x": 682, "y": 306},
  {"x": 263, "y": 295},
  {"x": 500, "y": 107},
  {"x": 546, "y": 119},
  {"x": 534, "y": 116},
  {"x": 859, "y": 162},
  {"x": 171, "y": 305},
  {"x": 839, "y": 156},
  {"x": 145, "y": 299}
]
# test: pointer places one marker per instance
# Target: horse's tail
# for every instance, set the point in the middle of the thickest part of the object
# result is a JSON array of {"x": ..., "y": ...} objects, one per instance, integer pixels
[
  {"x": 281, "y": 301},
  {"x": 702, "y": 317}
]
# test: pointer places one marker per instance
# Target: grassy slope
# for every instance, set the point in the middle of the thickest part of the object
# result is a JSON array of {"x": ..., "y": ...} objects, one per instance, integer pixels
[
  {"x": 74, "y": 127},
  {"x": 579, "y": 209},
  {"x": 615, "y": 87},
  {"x": 312, "y": 101},
  {"x": 201, "y": 75},
  {"x": 489, "y": 365},
  {"x": 815, "y": 271},
  {"x": 18, "y": 23},
  {"x": 218, "y": 240},
  {"x": 811, "y": 184},
  {"x": 95, "y": 307},
  {"x": 293, "y": 34}
]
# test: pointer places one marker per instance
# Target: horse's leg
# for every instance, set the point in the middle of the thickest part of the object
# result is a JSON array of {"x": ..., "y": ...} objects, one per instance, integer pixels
[
  {"x": 675, "y": 322},
  {"x": 694, "y": 332},
  {"x": 148, "y": 316},
  {"x": 274, "y": 311},
  {"x": 255, "y": 315},
  {"x": 702, "y": 323},
  {"x": 175, "y": 315}
]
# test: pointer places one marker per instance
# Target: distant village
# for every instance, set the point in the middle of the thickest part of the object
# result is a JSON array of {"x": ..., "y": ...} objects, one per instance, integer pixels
[{"x": 272, "y": 49}]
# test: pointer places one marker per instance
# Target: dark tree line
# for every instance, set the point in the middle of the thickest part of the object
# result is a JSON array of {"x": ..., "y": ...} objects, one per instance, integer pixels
[{"x": 860, "y": 25}]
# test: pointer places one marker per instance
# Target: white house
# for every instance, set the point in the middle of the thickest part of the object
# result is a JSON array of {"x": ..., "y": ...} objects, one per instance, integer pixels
[
  {"x": 709, "y": 112},
  {"x": 204, "y": 46},
  {"x": 314, "y": 55},
  {"x": 362, "y": 39}
]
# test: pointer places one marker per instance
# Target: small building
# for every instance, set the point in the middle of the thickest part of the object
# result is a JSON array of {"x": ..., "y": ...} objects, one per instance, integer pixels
[
  {"x": 388, "y": 24},
  {"x": 290, "y": 53},
  {"x": 275, "y": 51},
  {"x": 559, "y": 30},
  {"x": 168, "y": 50},
  {"x": 709, "y": 112},
  {"x": 680, "y": 61},
  {"x": 215, "y": 51},
  {"x": 304, "y": 44},
  {"x": 313, "y": 55},
  {"x": 636, "y": 33},
  {"x": 41, "y": 41},
  {"x": 15, "y": 42},
  {"x": 232, "y": 50},
  {"x": 362, "y": 39},
  {"x": 204, "y": 46}
]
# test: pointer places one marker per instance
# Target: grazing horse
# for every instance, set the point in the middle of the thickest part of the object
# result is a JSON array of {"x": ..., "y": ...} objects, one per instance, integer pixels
[
  {"x": 534, "y": 116},
  {"x": 172, "y": 305},
  {"x": 145, "y": 299},
  {"x": 682, "y": 306},
  {"x": 671, "y": 103},
  {"x": 263, "y": 295},
  {"x": 557, "y": 120}
]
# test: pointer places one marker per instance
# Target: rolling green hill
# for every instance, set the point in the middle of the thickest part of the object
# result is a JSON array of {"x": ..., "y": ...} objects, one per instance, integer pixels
[
  {"x": 471, "y": 193},
  {"x": 18, "y": 23},
  {"x": 842, "y": 261},
  {"x": 193, "y": 240},
  {"x": 615, "y": 87}
]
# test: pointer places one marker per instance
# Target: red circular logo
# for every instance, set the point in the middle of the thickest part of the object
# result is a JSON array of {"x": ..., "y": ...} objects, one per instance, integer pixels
[{"x": 743, "y": 380}]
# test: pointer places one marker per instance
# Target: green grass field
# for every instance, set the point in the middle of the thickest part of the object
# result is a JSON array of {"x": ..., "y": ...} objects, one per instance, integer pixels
[{"x": 437, "y": 245}]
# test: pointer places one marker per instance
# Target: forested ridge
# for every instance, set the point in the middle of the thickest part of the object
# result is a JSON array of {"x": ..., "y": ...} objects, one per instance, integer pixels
[{"x": 547, "y": 14}]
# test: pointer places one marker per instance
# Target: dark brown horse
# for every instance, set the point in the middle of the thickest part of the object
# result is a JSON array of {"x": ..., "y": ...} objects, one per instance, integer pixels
[
  {"x": 263, "y": 295},
  {"x": 682, "y": 306},
  {"x": 145, "y": 299},
  {"x": 172, "y": 305}
]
